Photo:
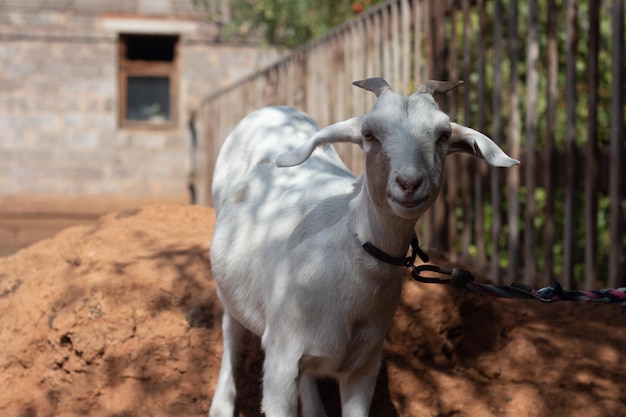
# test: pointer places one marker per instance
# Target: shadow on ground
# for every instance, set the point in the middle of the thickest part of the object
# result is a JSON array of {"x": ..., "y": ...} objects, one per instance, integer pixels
[{"x": 121, "y": 318}]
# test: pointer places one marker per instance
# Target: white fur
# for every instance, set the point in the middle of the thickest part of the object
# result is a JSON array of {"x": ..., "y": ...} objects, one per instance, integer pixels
[{"x": 286, "y": 253}]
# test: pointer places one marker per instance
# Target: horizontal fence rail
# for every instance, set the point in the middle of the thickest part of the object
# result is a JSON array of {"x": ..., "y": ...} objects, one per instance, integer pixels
[{"x": 544, "y": 79}]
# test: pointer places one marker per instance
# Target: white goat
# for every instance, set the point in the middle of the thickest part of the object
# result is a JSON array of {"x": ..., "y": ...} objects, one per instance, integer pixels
[{"x": 287, "y": 251}]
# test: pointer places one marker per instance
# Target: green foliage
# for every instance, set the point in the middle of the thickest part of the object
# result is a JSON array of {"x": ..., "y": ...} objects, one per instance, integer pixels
[{"x": 288, "y": 23}]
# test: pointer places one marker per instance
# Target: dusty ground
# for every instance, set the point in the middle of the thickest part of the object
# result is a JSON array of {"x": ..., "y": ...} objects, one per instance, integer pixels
[
  {"x": 26, "y": 219},
  {"x": 120, "y": 318}
]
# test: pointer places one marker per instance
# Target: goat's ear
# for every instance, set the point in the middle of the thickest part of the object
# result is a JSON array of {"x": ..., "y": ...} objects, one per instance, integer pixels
[
  {"x": 346, "y": 131},
  {"x": 376, "y": 85},
  {"x": 433, "y": 87},
  {"x": 464, "y": 139}
]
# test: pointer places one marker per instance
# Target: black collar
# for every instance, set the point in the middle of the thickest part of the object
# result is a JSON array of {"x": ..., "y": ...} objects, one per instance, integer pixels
[{"x": 408, "y": 261}]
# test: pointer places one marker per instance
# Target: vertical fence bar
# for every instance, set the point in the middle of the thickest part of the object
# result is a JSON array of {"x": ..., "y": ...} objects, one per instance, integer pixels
[
  {"x": 481, "y": 168},
  {"x": 323, "y": 103},
  {"x": 370, "y": 57},
  {"x": 395, "y": 47},
  {"x": 466, "y": 165},
  {"x": 592, "y": 152},
  {"x": 340, "y": 109},
  {"x": 440, "y": 39},
  {"x": 452, "y": 169},
  {"x": 532, "y": 92},
  {"x": 343, "y": 91},
  {"x": 570, "y": 150},
  {"x": 309, "y": 81},
  {"x": 496, "y": 228},
  {"x": 289, "y": 80},
  {"x": 466, "y": 54},
  {"x": 301, "y": 73},
  {"x": 549, "y": 160},
  {"x": 281, "y": 78},
  {"x": 360, "y": 62},
  {"x": 329, "y": 84},
  {"x": 439, "y": 207},
  {"x": 350, "y": 90},
  {"x": 405, "y": 14},
  {"x": 513, "y": 144},
  {"x": 387, "y": 67},
  {"x": 616, "y": 182},
  {"x": 362, "y": 102},
  {"x": 427, "y": 16},
  {"x": 376, "y": 47},
  {"x": 417, "y": 41},
  {"x": 426, "y": 221},
  {"x": 357, "y": 95}
]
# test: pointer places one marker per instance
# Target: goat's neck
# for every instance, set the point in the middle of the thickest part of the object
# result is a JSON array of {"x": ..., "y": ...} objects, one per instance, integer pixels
[{"x": 389, "y": 233}]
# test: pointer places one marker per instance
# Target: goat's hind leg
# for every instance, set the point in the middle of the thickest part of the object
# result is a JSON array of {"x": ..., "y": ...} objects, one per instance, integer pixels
[
  {"x": 312, "y": 405},
  {"x": 223, "y": 403},
  {"x": 356, "y": 390}
]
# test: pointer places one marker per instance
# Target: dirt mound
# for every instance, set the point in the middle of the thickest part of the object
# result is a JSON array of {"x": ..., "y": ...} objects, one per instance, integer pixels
[{"x": 121, "y": 319}]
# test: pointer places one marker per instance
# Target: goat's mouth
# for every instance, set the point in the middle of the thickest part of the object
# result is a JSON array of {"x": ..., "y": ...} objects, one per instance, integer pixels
[{"x": 407, "y": 206}]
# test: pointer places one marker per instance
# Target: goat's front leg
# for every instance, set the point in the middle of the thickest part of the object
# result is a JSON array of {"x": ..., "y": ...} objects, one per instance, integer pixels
[
  {"x": 223, "y": 403},
  {"x": 357, "y": 389},
  {"x": 280, "y": 379}
]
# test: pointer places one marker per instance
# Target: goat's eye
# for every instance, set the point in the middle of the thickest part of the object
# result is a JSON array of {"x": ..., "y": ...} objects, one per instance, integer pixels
[
  {"x": 444, "y": 137},
  {"x": 368, "y": 136}
]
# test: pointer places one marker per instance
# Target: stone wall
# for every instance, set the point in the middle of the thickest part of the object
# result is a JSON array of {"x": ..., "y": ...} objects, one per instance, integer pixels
[
  {"x": 59, "y": 129},
  {"x": 63, "y": 157}
]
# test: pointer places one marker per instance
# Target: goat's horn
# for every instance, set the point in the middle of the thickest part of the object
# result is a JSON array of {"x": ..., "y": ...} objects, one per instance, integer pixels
[
  {"x": 433, "y": 87},
  {"x": 375, "y": 85}
]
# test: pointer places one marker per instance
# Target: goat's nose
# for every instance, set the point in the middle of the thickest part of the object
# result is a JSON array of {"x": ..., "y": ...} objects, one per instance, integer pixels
[{"x": 408, "y": 183}]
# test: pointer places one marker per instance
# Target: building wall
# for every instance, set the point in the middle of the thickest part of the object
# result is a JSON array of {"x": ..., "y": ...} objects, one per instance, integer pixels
[
  {"x": 64, "y": 159},
  {"x": 59, "y": 131}
]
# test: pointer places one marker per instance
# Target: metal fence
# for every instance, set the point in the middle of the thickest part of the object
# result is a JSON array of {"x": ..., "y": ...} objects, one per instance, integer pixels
[{"x": 544, "y": 79}]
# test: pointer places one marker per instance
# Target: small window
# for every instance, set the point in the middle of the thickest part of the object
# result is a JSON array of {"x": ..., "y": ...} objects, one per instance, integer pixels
[{"x": 148, "y": 81}]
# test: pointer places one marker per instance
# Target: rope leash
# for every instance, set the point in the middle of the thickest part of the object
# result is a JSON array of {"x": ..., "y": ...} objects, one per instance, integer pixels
[{"x": 461, "y": 278}]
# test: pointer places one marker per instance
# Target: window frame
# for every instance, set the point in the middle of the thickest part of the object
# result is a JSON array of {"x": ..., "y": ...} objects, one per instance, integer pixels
[{"x": 142, "y": 68}]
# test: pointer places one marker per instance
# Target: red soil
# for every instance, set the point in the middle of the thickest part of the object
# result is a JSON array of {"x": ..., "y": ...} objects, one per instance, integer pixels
[{"x": 120, "y": 318}]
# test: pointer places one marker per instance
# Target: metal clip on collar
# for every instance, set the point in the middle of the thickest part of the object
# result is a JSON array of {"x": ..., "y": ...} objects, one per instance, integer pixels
[{"x": 458, "y": 277}]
